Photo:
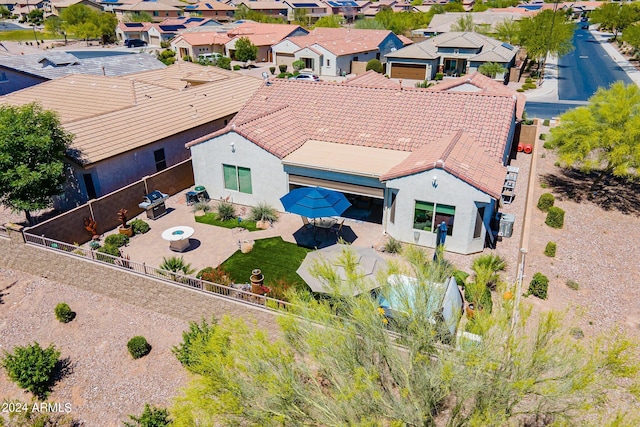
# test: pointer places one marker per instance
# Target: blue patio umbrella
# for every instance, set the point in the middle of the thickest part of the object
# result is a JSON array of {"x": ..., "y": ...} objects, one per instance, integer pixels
[{"x": 315, "y": 202}]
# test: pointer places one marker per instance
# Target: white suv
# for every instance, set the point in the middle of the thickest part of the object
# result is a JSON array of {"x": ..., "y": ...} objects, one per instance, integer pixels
[{"x": 306, "y": 77}]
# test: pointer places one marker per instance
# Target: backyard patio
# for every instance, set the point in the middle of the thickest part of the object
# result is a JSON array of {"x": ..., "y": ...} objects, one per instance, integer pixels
[{"x": 210, "y": 245}]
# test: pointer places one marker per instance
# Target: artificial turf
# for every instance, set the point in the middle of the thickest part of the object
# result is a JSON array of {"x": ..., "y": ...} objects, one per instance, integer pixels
[{"x": 212, "y": 219}]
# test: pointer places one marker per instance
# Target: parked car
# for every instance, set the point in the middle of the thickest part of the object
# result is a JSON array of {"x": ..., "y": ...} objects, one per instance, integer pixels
[
  {"x": 306, "y": 77},
  {"x": 209, "y": 57},
  {"x": 135, "y": 43}
]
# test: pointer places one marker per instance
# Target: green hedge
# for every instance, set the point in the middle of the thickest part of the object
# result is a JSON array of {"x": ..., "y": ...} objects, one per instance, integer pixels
[
  {"x": 538, "y": 286},
  {"x": 64, "y": 313},
  {"x": 550, "y": 249},
  {"x": 546, "y": 201},
  {"x": 118, "y": 240},
  {"x": 139, "y": 226},
  {"x": 555, "y": 217},
  {"x": 138, "y": 347}
]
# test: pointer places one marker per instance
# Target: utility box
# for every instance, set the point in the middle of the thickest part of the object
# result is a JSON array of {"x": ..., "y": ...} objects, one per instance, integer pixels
[{"x": 506, "y": 225}]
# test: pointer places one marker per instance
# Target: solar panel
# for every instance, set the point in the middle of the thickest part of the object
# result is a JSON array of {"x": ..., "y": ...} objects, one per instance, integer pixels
[
  {"x": 508, "y": 46},
  {"x": 133, "y": 24},
  {"x": 171, "y": 28},
  {"x": 208, "y": 6},
  {"x": 305, "y": 5},
  {"x": 190, "y": 7}
]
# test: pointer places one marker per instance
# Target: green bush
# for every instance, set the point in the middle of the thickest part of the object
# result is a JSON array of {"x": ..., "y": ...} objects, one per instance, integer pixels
[
  {"x": 461, "y": 277},
  {"x": 32, "y": 367},
  {"x": 547, "y": 145},
  {"x": 176, "y": 265},
  {"x": 236, "y": 67},
  {"x": 224, "y": 62},
  {"x": 272, "y": 70},
  {"x": 439, "y": 76},
  {"x": 375, "y": 65},
  {"x": 263, "y": 212},
  {"x": 528, "y": 80},
  {"x": 538, "y": 286},
  {"x": 64, "y": 312},
  {"x": 528, "y": 86},
  {"x": 226, "y": 211},
  {"x": 282, "y": 68},
  {"x": 545, "y": 122},
  {"x": 545, "y": 201},
  {"x": 550, "y": 249},
  {"x": 543, "y": 136},
  {"x": 138, "y": 347},
  {"x": 109, "y": 250},
  {"x": 150, "y": 417},
  {"x": 205, "y": 270},
  {"x": 193, "y": 341},
  {"x": 555, "y": 217},
  {"x": 519, "y": 90},
  {"x": 139, "y": 226},
  {"x": 118, "y": 240},
  {"x": 572, "y": 284},
  {"x": 392, "y": 246}
]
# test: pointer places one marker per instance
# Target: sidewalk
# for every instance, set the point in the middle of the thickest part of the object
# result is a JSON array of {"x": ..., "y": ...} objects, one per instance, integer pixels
[{"x": 620, "y": 60}]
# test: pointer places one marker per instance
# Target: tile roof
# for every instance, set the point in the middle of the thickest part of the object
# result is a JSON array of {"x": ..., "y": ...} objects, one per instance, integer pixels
[
  {"x": 56, "y": 64},
  {"x": 135, "y": 26},
  {"x": 255, "y": 28},
  {"x": 485, "y": 85},
  {"x": 136, "y": 110},
  {"x": 210, "y": 5},
  {"x": 342, "y": 41},
  {"x": 442, "y": 22},
  {"x": 148, "y": 6},
  {"x": 371, "y": 78},
  {"x": 263, "y": 5},
  {"x": 284, "y": 115},
  {"x": 201, "y": 38},
  {"x": 459, "y": 154}
]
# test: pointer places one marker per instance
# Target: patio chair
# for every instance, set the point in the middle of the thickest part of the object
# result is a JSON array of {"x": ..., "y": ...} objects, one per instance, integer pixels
[{"x": 337, "y": 227}]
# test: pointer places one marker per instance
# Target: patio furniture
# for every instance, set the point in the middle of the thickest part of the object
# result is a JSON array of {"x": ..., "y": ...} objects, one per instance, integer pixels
[
  {"x": 315, "y": 202},
  {"x": 198, "y": 194},
  {"x": 337, "y": 227},
  {"x": 178, "y": 237}
]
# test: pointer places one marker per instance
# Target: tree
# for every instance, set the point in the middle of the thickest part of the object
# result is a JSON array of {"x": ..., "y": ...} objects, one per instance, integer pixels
[
  {"x": 150, "y": 417},
  {"x": 329, "y": 21},
  {"x": 32, "y": 157},
  {"x": 549, "y": 32},
  {"x": 615, "y": 17},
  {"x": 464, "y": 24},
  {"x": 375, "y": 65},
  {"x": 140, "y": 16},
  {"x": 4, "y": 12},
  {"x": 336, "y": 364},
  {"x": 604, "y": 134},
  {"x": 32, "y": 367},
  {"x": 55, "y": 25},
  {"x": 106, "y": 24},
  {"x": 508, "y": 31},
  {"x": 35, "y": 17},
  {"x": 245, "y": 50},
  {"x": 631, "y": 36},
  {"x": 167, "y": 57},
  {"x": 491, "y": 69},
  {"x": 86, "y": 23}
]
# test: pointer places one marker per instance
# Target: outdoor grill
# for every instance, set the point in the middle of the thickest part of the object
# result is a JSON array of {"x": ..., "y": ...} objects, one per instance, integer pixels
[{"x": 154, "y": 204}]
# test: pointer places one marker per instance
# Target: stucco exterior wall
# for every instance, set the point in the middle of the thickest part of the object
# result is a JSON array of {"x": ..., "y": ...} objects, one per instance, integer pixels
[
  {"x": 450, "y": 191},
  {"x": 16, "y": 81},
  {"x": 268, "y": 179},
  {"x": 391, "y": 43}
]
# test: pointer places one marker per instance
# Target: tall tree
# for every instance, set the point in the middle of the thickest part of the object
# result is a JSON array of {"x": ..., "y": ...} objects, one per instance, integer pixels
[
  {"x": 464, "y": 24},
  {"x": 615, "y": 17},
  {"x": 55, "y": 25},
  {"x": 86, "y": 23},
  {"x": 245, "y": 50},
  {"x": 32, "y": 149},
  {"x": 603, "y": 135},
  {"x": 336, "y": 364},
  {"x": 491, "y": 69},
  {"x": 549, "y": 32},
  {"x": 329, "y": 21},
  {"x": 631, "y": 36},
  {"x": 508, "y": 31}
]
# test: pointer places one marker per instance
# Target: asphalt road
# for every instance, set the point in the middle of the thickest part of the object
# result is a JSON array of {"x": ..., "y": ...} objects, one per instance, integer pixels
[
  {"x": 587, "y": 68},
  {"x": 548, "y": 110}
]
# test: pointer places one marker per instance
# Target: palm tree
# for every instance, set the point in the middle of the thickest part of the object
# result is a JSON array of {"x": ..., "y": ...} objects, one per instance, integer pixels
[
  {"x": 491, "y": 69},
  {"x": 176, "y": 265},
  {"x": 486, "y": 269}
]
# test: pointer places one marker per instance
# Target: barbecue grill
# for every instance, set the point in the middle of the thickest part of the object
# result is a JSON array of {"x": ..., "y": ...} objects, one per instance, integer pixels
[{"x": 154, "y": 204}]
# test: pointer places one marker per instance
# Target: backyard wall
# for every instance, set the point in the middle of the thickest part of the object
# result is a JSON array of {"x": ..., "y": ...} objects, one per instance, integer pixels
[
  {"x": 69, "y": 226},
  {"x": 142, "y": 291}
]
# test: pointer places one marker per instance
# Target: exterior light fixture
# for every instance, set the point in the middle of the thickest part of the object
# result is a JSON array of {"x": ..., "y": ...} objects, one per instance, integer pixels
[{"x": 233, "y": 147}]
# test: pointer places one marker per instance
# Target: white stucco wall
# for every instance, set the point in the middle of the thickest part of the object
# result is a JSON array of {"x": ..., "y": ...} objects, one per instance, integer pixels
[
  {"x": 449, "y": 191},
  {"x": 268, "y": 180}
]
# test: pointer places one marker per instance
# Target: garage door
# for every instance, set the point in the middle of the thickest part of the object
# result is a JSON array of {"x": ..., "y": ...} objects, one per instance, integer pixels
[
  {"x": 408, "y": 71},
  {"x": 285, "y": 59}
]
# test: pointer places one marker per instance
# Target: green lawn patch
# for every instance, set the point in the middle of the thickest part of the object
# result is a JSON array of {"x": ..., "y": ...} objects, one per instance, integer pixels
[
  {"x": 212, "y": 219},
  {"x": 277, "y": 259},
  {"x": 27, "y": 35}
]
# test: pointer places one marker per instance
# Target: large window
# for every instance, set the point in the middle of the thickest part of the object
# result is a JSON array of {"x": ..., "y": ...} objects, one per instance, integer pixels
[
  {"x": 160, "y": 159},
  {"x": 237, "y": 178},
  {"x": 428, "y": 215}
]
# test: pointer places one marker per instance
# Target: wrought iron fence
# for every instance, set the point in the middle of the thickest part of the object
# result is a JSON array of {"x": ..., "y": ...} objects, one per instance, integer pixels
[{"x": 168, "y": 276}]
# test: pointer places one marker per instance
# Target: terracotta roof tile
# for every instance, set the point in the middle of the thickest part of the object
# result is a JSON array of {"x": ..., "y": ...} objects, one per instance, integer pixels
[{"x": 341, "y": 41}]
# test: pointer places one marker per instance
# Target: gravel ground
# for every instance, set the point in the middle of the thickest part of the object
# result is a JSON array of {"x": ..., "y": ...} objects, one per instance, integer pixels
[{"x": 104, "y": 384}]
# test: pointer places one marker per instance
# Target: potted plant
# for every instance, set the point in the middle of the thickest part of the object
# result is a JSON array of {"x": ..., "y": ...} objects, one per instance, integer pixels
[{"x": 125, "y": 229}]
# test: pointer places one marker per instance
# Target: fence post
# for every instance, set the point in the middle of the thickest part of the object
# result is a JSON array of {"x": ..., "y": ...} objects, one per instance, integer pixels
[{"x": 16, "y": 232}]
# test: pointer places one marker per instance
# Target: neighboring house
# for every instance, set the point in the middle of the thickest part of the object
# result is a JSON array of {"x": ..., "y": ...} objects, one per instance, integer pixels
[
  {"x": 133, "y": 30},
  {"x": 22, "y": 8},
  {"x": 192, "y": 44},
  {"x": 158, "y": 10},
  {"x": 372, "y": 9},
  {"x": 163, "y": 31},
  {"x": 349, "y": 9},
  {"x": 452, "y": 54},
  {"x": 331, "y": 51},
  {"x": 442, "y": 23},
  {"x": 22, "y": 71},
  {"x": 217, "y": 10},
  {"x": 274, "y": 9},
  {"x": 264, "y": 36},
  {"x": 416, "y": 157},
  {"x": 128, "y": 127},
  {"x": 309, "y": 9},
  {"x": 58, "y": 6}
]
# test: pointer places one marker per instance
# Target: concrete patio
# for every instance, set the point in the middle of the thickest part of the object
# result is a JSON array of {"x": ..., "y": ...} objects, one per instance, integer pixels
[{"x": 211, "y": 245}]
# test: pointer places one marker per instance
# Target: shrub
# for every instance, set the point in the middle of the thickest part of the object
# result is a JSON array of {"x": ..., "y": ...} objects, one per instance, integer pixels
[
  {"x": 204, "y": 271},
  {"x": 375, "y": 65},
  {"x": 282, "y": 68},
  {"x": 576, "y": 333},
  {"x": 543, "y": 136},
  {"x": 32, "y": 367},
  {"x": 138, "y": 347},
  {"x": 282, "y": 76},
  {"x": 150, "y": 417},
  {"x": 203, "y": 207},
  {"x": 550, "y": 249},
  {"x": 538, "y": 286},
  {"x": 423, "y": 84},
  {"x": 109, "y": 250},
  {"x": 165, "y": 44},
  {"x": 461, "y": 277},
  {"x": 439, "y": 76},
  {"x": 236, "y": 67},
  {"x": 555, "y": 217},
  {"x": 547, "y": 145},
  {"x": 94, "y": 245},
  {"x": 186, "y": 58},
  {"x": 528, "y": 80},
  {"x": 139, "y": 226},
  {"x": 216, "y": 275},
  {"x": 226, "y": 211},
  {"x": 224, "y": 62},
  {"x": 545, "y": 122},
  {"x": 117, "y": 240},
  {"x": 64, "y": 312},
  {"x": 263, "y": 212},
  {"x": 272, "y": 70},
  {"x": 544, "y": 185},
  {"x": 298, "y": 65},
  {"x": 572, "y": 284},
  {"x": 392, "y": 246},
  {"x": 546, "y": 201},
  {"x": 176, "y": 265},
  {"x": 193, "y": 341},
  {"x": 519, "y": 90}
]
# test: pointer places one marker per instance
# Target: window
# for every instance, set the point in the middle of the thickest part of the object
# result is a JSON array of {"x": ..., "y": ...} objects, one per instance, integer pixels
[
  {"x": 3, "y": 77},
  {"x": 161, "y": 161},
  {"x": 156, "y": 13},
  {"x": 477, "y": 231},
  {"x": 88, "y": 184},
  {"x": 427, "y": 215},
  {"x": 237, "y": 178},
  {"x": 328, "y": 62},
  {"x": 355, "y": 59}
]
